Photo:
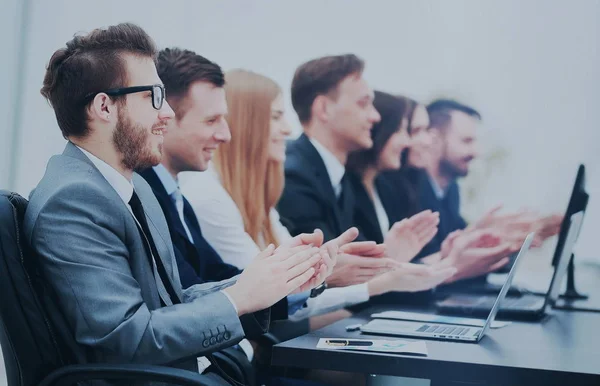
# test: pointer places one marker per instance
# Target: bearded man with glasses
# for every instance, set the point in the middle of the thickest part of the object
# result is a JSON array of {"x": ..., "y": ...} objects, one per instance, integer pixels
[{"x": 102, "y": 239}]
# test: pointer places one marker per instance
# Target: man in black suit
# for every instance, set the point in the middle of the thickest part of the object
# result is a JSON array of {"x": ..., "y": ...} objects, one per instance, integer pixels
[
  {"x": 198, "y": 262},
  {"x": 454, "y": 130},
  {"x": 335, "y": 106}
]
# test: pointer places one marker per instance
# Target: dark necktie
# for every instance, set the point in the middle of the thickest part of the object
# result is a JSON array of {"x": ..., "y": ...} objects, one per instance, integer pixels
[
  {"x": 343, "y": 191},
  {"x": 162, "y": 281}
]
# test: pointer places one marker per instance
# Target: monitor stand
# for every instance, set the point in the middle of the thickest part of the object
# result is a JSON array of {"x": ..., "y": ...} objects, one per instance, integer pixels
[
  {"x": 572, "y": 300},
  {"x": 571, "y": 292}
]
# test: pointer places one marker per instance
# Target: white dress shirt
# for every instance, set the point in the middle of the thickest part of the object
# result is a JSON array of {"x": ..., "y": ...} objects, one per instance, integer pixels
[
  {"x": 223, "y": 227},
  {"x": 334, "y": 167},
  {"x": 120, "y": 184},
  {"x": 124, "y": 189},
  {"x": 171, "y": 185},
  {"x": 382, "y": 217},
  {"x": 437, "y": 189}
]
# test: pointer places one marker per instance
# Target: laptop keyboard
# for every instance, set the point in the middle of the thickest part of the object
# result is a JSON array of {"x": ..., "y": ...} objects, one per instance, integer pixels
[
  {"x": 522, "y": 302},
  {"x": 446, "y": 330},
  {"x": 507, "y": 303}
]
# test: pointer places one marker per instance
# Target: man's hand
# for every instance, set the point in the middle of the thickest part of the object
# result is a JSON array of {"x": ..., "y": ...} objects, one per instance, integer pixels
[
  {"x": 514, "y": 227},
  {"x": 329, "y": 252},
  {"x": 364, "y": 249},
  {"x": 448, "y": 243},
  {"x": 407, "y": 277},
  {"x": 476, "y": 253},
  {"x": 352, "y": 269},
  {"x": 549, "y": 226},
  {"x": 359, "y": 262},
  {"x": 406, "y": 238},
  {"x": 273, "y": 275}
]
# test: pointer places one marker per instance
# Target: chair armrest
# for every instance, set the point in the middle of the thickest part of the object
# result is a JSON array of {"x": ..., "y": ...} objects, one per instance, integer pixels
[
  {"x": 69, "y": 375},
  {"x": 269, "y": 339},
  {"x": 236, "y": 363}
]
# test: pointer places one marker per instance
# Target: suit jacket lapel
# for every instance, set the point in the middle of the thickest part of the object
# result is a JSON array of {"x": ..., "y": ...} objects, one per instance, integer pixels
[
  {"x": 364, "y": 205},
  {"x": 72, "y": 151},
  {"x": 313, "y": 157},
  {"x": 160, "y": 240},
  {"x": 347, "y": 205},
  {"x": 391, "y": 200},
  {"x": 165, "y": 201}
]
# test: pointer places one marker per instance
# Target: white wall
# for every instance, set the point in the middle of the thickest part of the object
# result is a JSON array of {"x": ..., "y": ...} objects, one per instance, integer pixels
[
  {"x": 9, "y": 30},
  {"x": 530, "y": 67}
]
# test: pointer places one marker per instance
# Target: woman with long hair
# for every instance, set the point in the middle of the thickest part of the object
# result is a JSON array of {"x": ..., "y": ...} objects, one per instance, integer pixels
[
  {"x": 381, "y": 205},
  {"x": 408, "y": 177},
  {"x": 235, "y": 200}
]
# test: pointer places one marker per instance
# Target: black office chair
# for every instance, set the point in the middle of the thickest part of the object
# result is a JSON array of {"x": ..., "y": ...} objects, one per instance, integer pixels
[{"x": 32, "y": 334}]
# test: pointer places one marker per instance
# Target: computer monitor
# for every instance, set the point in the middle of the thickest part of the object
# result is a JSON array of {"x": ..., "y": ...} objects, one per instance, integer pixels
[{"x": 577, "y": 203}]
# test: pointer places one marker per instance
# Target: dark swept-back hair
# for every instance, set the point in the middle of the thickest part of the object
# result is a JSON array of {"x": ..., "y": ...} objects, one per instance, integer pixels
[
  {"x": 179, "y": 68},
  {"x": 393, "y": 110},
  {"x": 88, "y": 64},
  {"x": 411, "y": 106},
  {"x": 440, "y": 112},
  {"x": 320, "y": 77}
]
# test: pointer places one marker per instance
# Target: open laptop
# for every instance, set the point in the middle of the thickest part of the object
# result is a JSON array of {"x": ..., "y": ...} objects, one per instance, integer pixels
[
  {"x": 528, "y": 306},
  {"x": 454, "y": 332}
]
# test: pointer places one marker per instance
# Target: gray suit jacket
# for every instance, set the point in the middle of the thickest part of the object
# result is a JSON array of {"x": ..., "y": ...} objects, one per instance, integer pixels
[{"x": 93, "y": 257}]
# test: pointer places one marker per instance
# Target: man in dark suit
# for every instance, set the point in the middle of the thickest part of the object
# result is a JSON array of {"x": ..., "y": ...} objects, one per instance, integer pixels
[
  {"x": 197, "y": 95},
  {"x": 197, "y": 261},
  {"x": 335, "y": 106},
  {"x": 447, "y": 204},
  {"x": 454, "y": 130},
  {"x": 102, "y": 239}
]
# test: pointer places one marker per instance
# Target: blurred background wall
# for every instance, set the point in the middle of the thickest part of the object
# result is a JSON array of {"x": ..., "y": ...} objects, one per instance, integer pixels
[{"x": 530, "y": 67}]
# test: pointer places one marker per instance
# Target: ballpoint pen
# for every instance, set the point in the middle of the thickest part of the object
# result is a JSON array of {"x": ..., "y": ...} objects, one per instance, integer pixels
[{"x": 347, "y": 342}]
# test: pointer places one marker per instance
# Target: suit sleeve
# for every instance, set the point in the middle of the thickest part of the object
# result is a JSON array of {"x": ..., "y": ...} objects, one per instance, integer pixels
[
  {"x": 84, "y": 256},
  {"x": 301, "y": 208}
]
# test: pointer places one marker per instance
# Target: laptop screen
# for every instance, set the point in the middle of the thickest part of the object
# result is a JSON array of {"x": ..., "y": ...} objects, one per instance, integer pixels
[{"x": 507, "y": 283}]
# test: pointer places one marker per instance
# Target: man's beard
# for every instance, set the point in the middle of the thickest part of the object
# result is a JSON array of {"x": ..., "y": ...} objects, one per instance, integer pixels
[
  {"x": 450, "y": 170},
  {"x": 132, "y": 143}
]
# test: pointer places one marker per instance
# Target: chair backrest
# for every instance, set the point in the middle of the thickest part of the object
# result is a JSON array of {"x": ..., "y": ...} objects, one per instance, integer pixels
[{"x": 28, "y": 331}]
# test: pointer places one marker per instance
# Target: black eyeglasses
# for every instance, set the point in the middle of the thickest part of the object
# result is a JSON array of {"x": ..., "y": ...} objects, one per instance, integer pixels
[{"x": 158, "y": 93}]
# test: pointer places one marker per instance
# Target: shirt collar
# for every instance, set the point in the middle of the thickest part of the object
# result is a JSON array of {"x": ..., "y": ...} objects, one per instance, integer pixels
[
  {"x": 334, "y": 167},
  {"x": 437, "y": 190},
  {"x": 169, "y": 183},
  {"x": 120, "y": 184}
]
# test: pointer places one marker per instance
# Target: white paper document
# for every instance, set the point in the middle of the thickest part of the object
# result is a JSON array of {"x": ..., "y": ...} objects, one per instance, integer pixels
[
  {"x": 431, "y": 318},
  {"x": 375, "y": 345}
]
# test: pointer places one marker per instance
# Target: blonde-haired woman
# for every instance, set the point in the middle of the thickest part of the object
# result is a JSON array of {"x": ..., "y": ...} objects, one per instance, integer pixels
[{"x": 235, "y": 202}]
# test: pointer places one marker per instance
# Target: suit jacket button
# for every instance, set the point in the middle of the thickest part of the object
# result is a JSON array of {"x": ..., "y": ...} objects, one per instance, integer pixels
[
  {"x": 205, "y": 343},
  {"x": 219, "y": 338},
  {"x": 213, "y": 340},
  {"x": 226, "y": 335}
]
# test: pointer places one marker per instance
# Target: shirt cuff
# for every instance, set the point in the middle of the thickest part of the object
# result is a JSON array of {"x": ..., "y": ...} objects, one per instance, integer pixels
[
  {"x": 357, "y": 293},
  {"x": 231, "y": 301},
  {"x": 333, "y": 299},
  {"x": 297, "y": 301}
]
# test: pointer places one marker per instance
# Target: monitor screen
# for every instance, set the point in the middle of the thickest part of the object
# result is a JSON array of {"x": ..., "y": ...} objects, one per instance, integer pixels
[{"x": 577, "y": 203}]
